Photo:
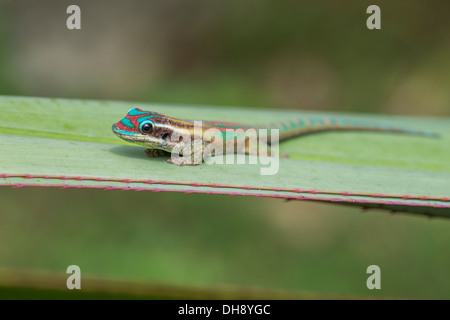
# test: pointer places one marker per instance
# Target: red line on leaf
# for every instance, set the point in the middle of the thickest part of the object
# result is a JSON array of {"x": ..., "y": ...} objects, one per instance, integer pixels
[
  {"x": 297, "y": 197},
  {"x": 211, "y": 185}
]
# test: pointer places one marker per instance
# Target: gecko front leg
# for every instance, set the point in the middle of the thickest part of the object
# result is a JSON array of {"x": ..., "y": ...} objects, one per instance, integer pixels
[
  {"x": 152, "y": 153},
  {"x": 193, "y": 159}
]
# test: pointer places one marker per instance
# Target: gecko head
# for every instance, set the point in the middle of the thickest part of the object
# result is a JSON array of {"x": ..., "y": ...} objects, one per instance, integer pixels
[{"x": 149, "y": 129}]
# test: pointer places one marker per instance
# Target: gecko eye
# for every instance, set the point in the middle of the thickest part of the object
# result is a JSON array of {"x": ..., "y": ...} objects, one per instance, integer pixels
[{"x": 146, "y": 127}]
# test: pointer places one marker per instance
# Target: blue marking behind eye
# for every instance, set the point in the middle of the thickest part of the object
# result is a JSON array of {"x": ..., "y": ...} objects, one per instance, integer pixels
[
  {"x": 141, "y": 119},
  {"x": 127, "y": 122},
  {"x": 136, "y": 112}
]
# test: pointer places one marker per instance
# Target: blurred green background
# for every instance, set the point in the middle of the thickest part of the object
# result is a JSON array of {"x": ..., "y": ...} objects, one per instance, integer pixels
[{"x": 291, "y": 54}]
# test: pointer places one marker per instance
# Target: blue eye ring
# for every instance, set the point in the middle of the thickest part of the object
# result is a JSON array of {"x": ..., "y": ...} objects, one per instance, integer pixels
[{"x": 146, "y": 127}]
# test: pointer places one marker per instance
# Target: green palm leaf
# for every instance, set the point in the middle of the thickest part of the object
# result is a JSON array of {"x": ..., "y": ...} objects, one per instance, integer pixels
[{"x": 69, "y": 143}]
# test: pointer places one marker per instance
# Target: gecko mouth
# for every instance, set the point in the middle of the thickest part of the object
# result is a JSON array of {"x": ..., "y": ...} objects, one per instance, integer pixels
[
  {"x": 136, "y": 137},
  {"x": 120, "y": 133}
]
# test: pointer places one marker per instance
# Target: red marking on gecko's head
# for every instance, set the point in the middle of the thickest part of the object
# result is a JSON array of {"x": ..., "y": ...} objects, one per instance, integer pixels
[{"x": 129, "y": 125}]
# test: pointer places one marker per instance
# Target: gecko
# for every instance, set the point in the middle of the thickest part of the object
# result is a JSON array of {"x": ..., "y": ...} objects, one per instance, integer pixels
[{"x": 155, "y": 131}]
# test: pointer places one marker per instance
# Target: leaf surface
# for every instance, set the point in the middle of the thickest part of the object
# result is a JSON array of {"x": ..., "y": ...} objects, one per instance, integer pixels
[{"x": 69, "y": 143}]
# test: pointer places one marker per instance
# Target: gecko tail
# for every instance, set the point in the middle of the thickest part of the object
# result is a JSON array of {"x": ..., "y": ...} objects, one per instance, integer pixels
[
  {"x": 422, "y": 133},
  {"x": 302, "y": 126},
  {"x": 367, "y": 126},
  {"x": 427, "y": 134}
]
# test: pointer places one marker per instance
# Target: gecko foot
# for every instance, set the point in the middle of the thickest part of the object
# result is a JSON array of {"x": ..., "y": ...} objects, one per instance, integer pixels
[
  {"x": 152, "y": 153},
  {"x": 182, "y": 161}
]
